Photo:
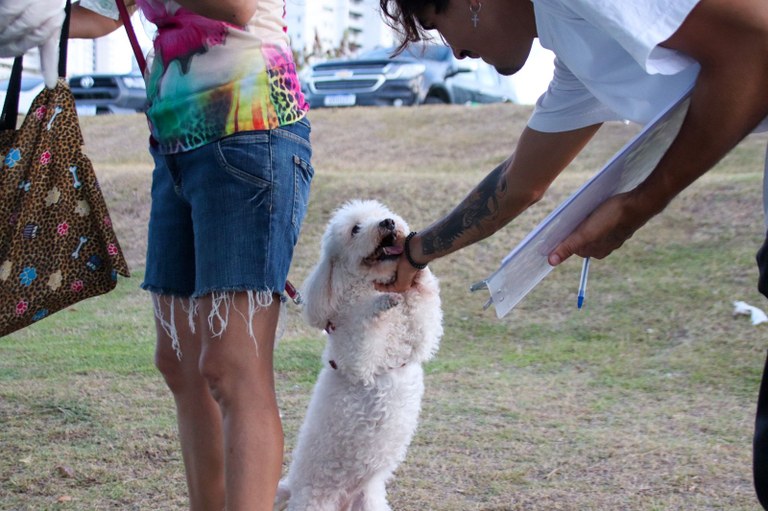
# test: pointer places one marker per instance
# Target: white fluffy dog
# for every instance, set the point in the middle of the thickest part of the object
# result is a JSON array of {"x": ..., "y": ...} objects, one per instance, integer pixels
[{"x": 365, "y": 405}]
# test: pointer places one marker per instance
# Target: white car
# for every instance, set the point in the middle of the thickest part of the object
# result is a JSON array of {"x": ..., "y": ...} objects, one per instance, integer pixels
[{"x": 31, "y": 86}]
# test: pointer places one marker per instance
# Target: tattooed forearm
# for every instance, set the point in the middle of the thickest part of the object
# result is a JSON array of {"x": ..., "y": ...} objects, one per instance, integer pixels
[{"x": 474, "y": 212}]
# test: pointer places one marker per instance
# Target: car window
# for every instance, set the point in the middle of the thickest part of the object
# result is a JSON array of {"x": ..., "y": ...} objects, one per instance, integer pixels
[{"x": 431, "y": 52}]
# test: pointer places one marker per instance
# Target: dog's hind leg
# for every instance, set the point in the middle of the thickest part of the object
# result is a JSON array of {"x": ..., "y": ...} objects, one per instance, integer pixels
[
  {"x": 309, "y": 500},
  {"x": 373, "y": 496},
  {"x": 282, "y": 497}
]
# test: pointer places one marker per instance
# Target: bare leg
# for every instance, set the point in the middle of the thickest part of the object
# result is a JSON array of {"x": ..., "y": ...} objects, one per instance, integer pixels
[
  {"x": 239, "y": 372},
  {"x": 198, "y": 415}
]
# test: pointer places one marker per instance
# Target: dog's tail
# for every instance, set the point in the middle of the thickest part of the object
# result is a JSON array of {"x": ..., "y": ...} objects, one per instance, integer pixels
[{"x": 282, "y": 497}]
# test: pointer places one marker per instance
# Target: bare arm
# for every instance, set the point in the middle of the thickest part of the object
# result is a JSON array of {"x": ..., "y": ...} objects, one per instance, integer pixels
[
  {"x": 86, "y": 24},
  {"x": 237, "y": 12},
  {"x": 729, "y": 38},
  {"x": 506, "y": 192}
]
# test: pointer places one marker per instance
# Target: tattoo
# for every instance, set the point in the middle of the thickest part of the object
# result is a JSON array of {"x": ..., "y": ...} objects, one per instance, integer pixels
[{"x": 482, "y": 204}]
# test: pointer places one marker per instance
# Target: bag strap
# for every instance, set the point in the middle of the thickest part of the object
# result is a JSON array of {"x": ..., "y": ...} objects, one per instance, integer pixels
[
  {"x": 64, "y": 40},
  {"x": 11, "y": 106},
  {"x": 126, "y": 19}
]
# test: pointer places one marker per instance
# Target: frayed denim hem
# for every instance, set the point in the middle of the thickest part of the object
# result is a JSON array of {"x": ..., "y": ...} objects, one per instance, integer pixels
[
  {"x": 188, "y": 305},
  {"x": 222, "y": 305}
]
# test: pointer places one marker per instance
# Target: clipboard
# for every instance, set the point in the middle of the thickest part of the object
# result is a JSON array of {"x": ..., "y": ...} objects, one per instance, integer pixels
[{"x": 526, "y": 265}]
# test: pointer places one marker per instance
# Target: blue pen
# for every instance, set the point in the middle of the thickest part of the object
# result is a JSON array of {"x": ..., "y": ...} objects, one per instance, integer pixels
[{"x": 583, "y": 282}]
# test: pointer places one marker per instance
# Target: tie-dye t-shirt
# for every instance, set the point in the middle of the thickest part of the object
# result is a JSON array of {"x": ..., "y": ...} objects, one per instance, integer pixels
[{"x": 208, "y": 79}]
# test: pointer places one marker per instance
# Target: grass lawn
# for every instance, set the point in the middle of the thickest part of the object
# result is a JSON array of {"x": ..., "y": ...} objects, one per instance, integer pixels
[{"x": 643, "y": 400}]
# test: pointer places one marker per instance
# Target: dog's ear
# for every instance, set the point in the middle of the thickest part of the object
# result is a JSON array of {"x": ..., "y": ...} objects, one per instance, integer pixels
[{"x": 319, "y": 296}]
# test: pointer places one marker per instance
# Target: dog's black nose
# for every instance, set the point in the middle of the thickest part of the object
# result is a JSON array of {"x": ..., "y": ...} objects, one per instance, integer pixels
[{"x": 388, "y": 224}]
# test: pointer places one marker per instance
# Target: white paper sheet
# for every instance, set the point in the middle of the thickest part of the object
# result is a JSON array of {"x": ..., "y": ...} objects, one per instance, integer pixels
[{"x": 526, "y": 265}]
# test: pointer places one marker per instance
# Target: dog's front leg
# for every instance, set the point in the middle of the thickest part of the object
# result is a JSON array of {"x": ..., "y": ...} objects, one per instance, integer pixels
[{"x": 368, "y": 311}]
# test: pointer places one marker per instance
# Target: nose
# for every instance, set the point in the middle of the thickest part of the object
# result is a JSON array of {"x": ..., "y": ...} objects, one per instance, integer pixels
[
  {"x": 387, "y": 224},
  {"x": 463, "y": 54}
]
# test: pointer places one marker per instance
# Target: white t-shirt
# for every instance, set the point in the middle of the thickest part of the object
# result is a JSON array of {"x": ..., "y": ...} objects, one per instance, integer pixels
[{"x": 609, "y": 65}]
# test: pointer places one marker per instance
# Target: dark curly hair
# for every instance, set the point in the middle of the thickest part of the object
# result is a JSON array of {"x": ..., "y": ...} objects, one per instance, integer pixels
[{"x": 402, "y": 16}]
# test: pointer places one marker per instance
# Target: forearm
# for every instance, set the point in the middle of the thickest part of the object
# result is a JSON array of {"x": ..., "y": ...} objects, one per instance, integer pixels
[
  {"x": 484, "y": 211},
  {"x": 86, "y": 24},
  {"x": 715, "y": 122},
  {"x": 506, "y": 192},
  {"x": 237, "y": 12},
  {"x": 712, "y": 128}
]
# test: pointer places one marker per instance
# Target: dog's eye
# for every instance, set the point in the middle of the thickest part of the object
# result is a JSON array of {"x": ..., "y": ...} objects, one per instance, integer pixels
[{"x": 355, "y": 230}]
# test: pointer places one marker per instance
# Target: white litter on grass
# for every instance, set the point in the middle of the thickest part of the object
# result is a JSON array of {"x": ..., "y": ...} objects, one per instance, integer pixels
[{"x": 745, "y": 309}]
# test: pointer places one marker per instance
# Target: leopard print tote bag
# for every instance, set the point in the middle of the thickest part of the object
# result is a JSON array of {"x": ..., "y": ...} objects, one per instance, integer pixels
[{"x": 57, "y": 244}]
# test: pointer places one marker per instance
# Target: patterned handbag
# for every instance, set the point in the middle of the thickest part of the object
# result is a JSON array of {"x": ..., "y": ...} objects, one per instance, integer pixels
[{"x": 57, "y": 245}]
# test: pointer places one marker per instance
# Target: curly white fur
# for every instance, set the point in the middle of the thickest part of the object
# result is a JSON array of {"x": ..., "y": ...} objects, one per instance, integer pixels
[{"x": 365, "y": 405}]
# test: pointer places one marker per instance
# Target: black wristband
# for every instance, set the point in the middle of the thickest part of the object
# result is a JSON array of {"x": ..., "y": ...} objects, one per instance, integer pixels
[{"x": 407, "y": 250}]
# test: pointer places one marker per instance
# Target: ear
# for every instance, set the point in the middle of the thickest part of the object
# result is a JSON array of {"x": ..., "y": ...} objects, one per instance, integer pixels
[{"x": 319, "y": 297}]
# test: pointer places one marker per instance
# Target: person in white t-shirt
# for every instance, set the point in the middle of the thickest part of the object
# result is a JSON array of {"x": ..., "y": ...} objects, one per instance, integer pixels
[
  {"x": 628, "y": 59},
  {"x": 613, "y": 60}
]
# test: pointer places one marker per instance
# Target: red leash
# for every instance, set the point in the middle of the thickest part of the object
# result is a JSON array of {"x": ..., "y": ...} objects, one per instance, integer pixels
[
  {"x": 131, "y": 35},
  {"x": 293, "y": 293}
]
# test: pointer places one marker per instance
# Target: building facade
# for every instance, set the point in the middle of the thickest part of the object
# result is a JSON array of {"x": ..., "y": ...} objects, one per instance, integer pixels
[
  {"x": 327, "y": 28},
  {"x": 318, "y": 29}
]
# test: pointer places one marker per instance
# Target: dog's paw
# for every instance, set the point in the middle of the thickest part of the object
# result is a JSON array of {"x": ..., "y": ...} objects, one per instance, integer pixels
[
  {"x": 386, "y": 281},
  {"x": 388, "y": 301}
]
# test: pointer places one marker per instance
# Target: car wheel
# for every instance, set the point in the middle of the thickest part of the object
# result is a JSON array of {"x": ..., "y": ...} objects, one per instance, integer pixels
[{"x": 436, "y": 100}]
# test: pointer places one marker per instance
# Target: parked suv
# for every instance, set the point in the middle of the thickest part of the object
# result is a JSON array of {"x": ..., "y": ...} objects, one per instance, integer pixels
[
  {"x": 421, "y": 74},
  {"x": 108, "y": 93}
]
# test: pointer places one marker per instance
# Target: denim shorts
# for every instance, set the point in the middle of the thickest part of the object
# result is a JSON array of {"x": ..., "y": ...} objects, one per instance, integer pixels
[{"x": 226, "y": 216}]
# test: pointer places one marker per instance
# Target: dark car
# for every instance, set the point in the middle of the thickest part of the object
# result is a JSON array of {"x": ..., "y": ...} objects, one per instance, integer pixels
[
  {"x": 421, "y": 74},
  {"x": 109, "y": 93}
]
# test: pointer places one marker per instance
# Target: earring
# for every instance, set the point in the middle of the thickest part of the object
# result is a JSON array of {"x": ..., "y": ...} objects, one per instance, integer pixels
[{"x": 474, "y": 8}]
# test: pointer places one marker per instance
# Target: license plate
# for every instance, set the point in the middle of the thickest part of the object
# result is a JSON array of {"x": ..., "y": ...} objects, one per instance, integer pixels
[
  {"x": 84, "y": 110},
  {"x": 340, "y": 100}
]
